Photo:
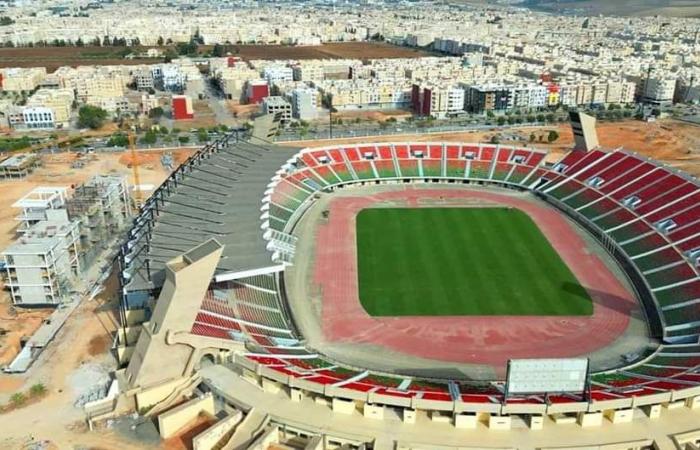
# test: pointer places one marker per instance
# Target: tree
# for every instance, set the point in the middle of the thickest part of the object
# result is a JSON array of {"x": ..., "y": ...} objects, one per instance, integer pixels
[
  {"x": 501, "y": 121},
  {"x": 79, "y": 43},
  {"x": 552, "y": 136},
  {"x": 489, "y": 114},
  {"x": 5, "y": 20},
  {"x": 532, "y": 137},
  {"x": 91, "y": 117},
  {"x": 202, "y": 136},
  {"x": 494, "y": 139},
  {"x": 149, "y": 138},
  {"x": 118, "y": 140},
  {"x": 218, "y": 51},
  {"x": 183, "y": 139},
  {"x": 187, "y": 48},
  {"x": 156, "y": 113},
  {"x": 550, "y": 117},
  {"x": 160, "y": 40}
]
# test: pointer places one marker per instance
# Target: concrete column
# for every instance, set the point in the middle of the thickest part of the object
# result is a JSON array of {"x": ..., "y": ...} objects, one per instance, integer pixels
[
  {"x": 343, "y": 406},
  {"x": 499, "y": 422},
  {"x": 373, "y": 411},
  {"x": 437, "y": 416},
  {"x": 270, "y": 386},
  {"x": 535, "y": 422},
  {"x": 295, "y": 395},
  {"x": 675, "y": 405},
  {"x": 409, "y": 416},
  {"x": 652, "y": 411},
  {"x": 693, "y": 402},
  {"x": 587, "y": 420},
  {"x": 619, "y": 415},
  {"x": 320, "y": 400},
  {"x": 465, "y": 421}
]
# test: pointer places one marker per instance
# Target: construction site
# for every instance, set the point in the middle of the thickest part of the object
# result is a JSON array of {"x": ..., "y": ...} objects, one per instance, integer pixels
[{"x": 90, "y": 348}]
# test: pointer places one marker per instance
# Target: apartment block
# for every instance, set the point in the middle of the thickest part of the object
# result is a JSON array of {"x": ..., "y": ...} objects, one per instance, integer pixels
[
  {"x": 278, "y": 106},
  {"x": 275, "y": 74},
  {"x": 17, "y": 79},
  {"x": 48, "y": 108},
  {"x": 437, "y": 101},
  {"x": 40, "y": 268},
  {"x": 304, "y": 103}
]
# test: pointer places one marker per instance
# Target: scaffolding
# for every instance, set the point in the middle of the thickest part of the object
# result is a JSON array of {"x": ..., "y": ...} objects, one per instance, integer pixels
[{"x": 103, "y": 207}]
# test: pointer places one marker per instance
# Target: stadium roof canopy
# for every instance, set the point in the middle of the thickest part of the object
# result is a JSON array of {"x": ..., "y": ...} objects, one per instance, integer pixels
[{"x": 218, "y": 196}]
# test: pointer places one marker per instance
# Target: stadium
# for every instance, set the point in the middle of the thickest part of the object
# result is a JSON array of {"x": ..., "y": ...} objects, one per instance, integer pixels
[{"x": 416, "y": 282}]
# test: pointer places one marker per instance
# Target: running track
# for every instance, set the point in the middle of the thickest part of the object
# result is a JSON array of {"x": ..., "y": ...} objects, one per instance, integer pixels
[{"x": 476, "y": 339}]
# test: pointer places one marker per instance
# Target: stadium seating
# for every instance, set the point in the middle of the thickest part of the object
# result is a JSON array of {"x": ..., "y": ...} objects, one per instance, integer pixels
[{"x": 650, "y": 212}]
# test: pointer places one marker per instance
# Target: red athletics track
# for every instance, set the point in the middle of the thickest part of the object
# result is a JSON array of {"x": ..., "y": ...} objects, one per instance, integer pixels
[{"x": 476, "y": 339}]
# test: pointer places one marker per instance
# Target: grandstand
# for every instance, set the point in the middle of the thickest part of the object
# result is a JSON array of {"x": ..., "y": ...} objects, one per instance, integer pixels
[{"x": 251, "y": 197}]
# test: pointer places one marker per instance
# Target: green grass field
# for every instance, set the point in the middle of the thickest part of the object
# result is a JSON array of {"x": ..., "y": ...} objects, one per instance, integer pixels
[{"x": 461, "y": 261}]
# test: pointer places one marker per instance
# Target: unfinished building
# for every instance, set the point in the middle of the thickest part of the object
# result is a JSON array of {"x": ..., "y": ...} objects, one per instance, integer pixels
[
  {"x": 19, "y": 166},
  {"x": 102, "y": 205},
  {"x": 41, "y": 267},
  {"x": 36, "y": 203}
]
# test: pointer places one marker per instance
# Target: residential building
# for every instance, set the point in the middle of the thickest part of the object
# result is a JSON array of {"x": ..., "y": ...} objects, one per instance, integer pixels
[
  {"x": 277, "y": 73},
  {"x": 41, "y": 267},
  {"x": 16, "y": 79},
  {"x": 257, "y": 90},
  {"x": 278, "y": 106},
  {"x": 304, "y": 103},
  {"x": 182, "y": 107}
]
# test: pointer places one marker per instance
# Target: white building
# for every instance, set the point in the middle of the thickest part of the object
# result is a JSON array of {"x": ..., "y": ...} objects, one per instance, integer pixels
[
  {"x": 304, "y": 103},
  {"x": 38, "y": 117},
  {"x": 278, "y": 73}
]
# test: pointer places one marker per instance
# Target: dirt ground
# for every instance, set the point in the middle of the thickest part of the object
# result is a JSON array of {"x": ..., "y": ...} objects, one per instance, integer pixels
[
  {"x": 203, "y": 117},
  {"x": 672, "y": 142},
  {"x": 55, "y": 57},
  {"x": 54, "y": 418},
  {"x": 89, "y": 331},
  {"x": 378, "y": 115},
  {"x": 19, "y": 323},
  {"x": 337, "y": 50},
  {"x": 183, "y": 440},
  {"x": 242, "y": 111}
]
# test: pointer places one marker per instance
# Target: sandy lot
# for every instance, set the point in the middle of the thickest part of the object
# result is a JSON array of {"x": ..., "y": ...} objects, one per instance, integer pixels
[
  {"x": 56, "y": 171},
  {"x": 336, "y": 50},
  {"x": 62, "y": 368},
  {"x": 379, "y": 115},
  {"x": 55, "y": 57},
  {"x": 672, "y": 142}
]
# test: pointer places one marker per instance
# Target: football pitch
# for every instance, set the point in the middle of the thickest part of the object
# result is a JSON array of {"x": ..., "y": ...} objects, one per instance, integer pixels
[{"x": 461, "y": 262}]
